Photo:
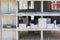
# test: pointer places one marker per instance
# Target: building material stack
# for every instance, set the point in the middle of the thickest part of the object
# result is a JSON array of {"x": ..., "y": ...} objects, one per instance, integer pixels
[{"x": 42, "y": 23}]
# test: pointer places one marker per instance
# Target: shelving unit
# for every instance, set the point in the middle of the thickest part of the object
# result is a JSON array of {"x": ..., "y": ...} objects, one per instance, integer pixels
[{"x": 9, "y": 21}]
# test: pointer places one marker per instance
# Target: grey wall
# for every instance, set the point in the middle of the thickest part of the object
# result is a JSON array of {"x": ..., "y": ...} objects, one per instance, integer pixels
[
  {"x": 0, "y": 21},
  {"x": 8, "y": 35},
  {"x": 4, "y": 6},
  {"x": 8, "y": 6},
  {"x": 12, "y": 6},
  {"x": 0, "y": 6},
  {"x": 0, "y": 34},
  {"x": 9, "y": 19}
]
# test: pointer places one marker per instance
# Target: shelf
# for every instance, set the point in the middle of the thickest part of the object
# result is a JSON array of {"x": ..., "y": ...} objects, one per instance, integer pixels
[
  {"x": 38, "y": 29},
  {"x": 39, "y": 14},
  {"x": 9, "y": 29}
]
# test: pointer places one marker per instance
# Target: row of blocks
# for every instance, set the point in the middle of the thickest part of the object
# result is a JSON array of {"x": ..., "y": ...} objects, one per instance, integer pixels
[{"x": 43, "y": 23}]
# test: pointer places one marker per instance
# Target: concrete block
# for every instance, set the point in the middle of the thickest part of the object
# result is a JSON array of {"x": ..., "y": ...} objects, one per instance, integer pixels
[
  {"x": 42, "y": 26},
  {"x": 57, "y": 26},
  {"x": 34, "y": 26},
  {"x": 42, "y": 22},
  {"x": 22, "y": 26},
  {"x": 28, "y": 27},
  {"x": 50, "y": 26}
]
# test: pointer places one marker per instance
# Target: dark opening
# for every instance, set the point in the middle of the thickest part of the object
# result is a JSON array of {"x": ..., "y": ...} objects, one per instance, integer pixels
[
  {"x": 29, "y": 35},
  {"x": 37, "y": 7},
  {"x": 50, "y": 6},
  {"x": 57, "y": 18}
]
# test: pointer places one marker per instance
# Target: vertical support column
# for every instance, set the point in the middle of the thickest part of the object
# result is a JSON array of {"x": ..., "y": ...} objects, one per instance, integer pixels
[
  {"x": 17, "y": 25},
  {"x": 8, "y": 5},
  {"x": 17, "y": 37},
  {"x": 0, "y": 6},
  {"x": 41, "y": 34},
  {"x": 1, "y": 29},
  {"x": 16, "y": 7},
  {"x": 41, "y": 6}
]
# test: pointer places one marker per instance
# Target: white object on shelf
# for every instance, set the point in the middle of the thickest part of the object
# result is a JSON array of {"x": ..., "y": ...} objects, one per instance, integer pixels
[
  {"x": 54, "y": 22},
  {"x": 8, "y": 26},
  {"x": 50, "y": 26},
  {"x": 42, "y": 23},
  {"x": 34, "y": 26},
  {"x": 57, "y": 26},
  {"x": 23, "y": 5},
  {"x": 32, "y": 17},
  {"x": 28, "y": 27},
  {"x": 22, "y": 26}
]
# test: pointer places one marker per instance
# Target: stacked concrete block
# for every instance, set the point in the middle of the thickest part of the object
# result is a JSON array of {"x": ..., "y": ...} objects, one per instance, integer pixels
[
  {"x": 42, "y": 23},
  {"x": 28, "y": 27},
  {"x": 50, "y": 26},
  {"x": 34, "y": 26},
  {"x": 22, "y": 26},
  {"x": 57, "y": 26}
]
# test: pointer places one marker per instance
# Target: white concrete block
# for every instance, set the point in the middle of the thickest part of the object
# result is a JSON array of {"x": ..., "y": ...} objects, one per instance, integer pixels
[
  {"x": 50, "y": 26},
  {"x": 42, "y": 22},
  {"x": 34, "y": 26},
  {"x": 22, "y": 26},
  {"x": 57, "y": 26},
  {"x": 42, "y": 26},
  {"x": 28, "y": 27}
]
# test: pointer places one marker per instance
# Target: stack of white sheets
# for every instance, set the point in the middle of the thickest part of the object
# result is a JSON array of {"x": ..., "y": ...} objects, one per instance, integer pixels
[
  {"x": 34, "y": 26},
  {"x": 22, "y": 26},
  {"x": 50, "y": 26},
  {"x": 42, "y": 23}
]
